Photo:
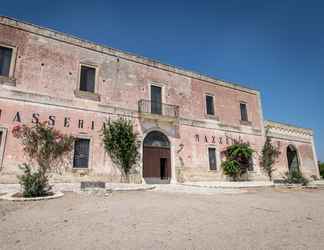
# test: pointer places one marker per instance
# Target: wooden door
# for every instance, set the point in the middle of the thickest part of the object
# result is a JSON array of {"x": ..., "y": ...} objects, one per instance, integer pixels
[{"x": 154, "y": 159}]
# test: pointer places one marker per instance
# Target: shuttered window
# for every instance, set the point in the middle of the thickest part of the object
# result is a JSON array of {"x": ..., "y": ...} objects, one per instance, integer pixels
[
  {"x": 5, "y": 61},
  {"x": 210, "y": 105},
  {"x": 87, "y": 79},
  {"x": 244, "y": 115},
  {"x": 81, "y": 153},
  {"x": 212, "y": 158}
]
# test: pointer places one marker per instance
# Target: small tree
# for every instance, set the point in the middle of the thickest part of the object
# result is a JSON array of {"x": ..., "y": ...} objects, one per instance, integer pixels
[
  {"x": 44, "y": 146},
  {"x": 321, "y": 168},
  {"x": 238, "y": 160},
  {"x": 120, "y": 141},
  {"x": 269, "y": 155}
]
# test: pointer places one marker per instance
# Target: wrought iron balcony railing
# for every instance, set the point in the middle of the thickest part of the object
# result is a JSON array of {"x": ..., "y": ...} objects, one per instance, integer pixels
[{"x": 147, "y": 106}]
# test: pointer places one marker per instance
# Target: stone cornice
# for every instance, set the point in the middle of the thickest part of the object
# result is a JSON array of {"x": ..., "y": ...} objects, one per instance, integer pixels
[
  {"x": 73, "y": 40},
  {"x": 285, "y": 131}
]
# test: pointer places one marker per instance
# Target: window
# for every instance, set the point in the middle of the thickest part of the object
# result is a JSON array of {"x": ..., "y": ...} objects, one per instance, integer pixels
[
  {"x": 251, "y": 168},
  {"x": 156, "y": 139},
  {"x": 1, "y": 138},
  {"x": 156, "y": 99},
  {"x": 81, "y": 153},
  {"x": 5, "y": 61},
  {"x": 210, "y": 105},
  {"x": 2, "y": 135},
  {"x": 212, "y": 158},
  {"x": 87, "y": 79},
  {"x": 244, "y": 115}
]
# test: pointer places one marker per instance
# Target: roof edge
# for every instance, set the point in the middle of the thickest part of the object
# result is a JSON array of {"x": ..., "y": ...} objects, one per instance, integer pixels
[
  {"x": 269, "y": 123},
  {"x": 76, "y": 41}
]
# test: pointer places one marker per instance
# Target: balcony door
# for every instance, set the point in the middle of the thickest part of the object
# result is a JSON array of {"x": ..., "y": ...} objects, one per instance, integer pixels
[{"x": 156, "y": 100}]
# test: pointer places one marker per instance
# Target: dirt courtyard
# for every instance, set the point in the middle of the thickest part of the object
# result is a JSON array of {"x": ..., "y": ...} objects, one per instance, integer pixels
[{"x": 257, "y": 219}]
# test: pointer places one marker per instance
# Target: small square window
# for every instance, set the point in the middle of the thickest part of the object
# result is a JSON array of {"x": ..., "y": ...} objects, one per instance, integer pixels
[
  {"x": 210, "y": 105},
  {"x": 81, "y": 153},
  {"x": 244, "y": 114},
  {"x": 87, "y": 79},
  {"x": 5, "y": 61}
]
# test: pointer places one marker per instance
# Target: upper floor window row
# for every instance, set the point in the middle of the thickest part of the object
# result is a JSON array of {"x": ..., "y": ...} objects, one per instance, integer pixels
[
  {"x": 210, "y": 108},
  {"x": 87, "y": 84}
]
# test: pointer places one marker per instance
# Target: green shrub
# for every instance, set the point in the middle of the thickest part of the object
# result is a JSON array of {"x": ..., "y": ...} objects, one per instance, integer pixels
[
  {"x": 296, "y": 177},
  {"x": 240, "y": 151},
  {"x": 34, "y": 184},
  {"x": 120, "y": 141},
  {"x": 238, "y": 160},
  {"x": 44, "y": 146},
  {"x": 231, "y": 168},
  {"x": 268, "y": 157},
  {"x": 321, "y": 167}
]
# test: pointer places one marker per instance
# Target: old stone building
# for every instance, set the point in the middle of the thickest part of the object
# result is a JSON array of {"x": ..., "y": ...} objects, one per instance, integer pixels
[{"x": 185, "y": 120}]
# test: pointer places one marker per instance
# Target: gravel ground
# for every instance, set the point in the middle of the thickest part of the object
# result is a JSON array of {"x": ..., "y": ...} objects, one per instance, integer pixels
[{"x": 162, "y": 219}]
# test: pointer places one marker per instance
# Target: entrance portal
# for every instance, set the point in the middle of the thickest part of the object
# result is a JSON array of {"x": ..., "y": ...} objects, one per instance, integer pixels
[
  {"x": 156, "y": 158},
  {"x": 292, "y": 157}
]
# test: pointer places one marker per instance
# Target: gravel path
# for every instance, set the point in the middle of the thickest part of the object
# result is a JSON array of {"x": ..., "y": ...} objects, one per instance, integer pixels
[{"x": 164, "y": 219}]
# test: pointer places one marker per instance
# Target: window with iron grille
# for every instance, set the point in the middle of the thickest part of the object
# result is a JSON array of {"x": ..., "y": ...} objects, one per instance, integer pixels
[
  {"x": 210, "y": 105},
  {"x": 212, "y": 159},
  {"x": 5, "y": 61},
  {"x": 81, "y": 153},
  {"x": 87, "y": 79},
  {"x": 244, "y": 114}
]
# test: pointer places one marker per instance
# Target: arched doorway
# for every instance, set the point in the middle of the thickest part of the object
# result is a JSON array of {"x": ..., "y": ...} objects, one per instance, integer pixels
[
  {"x": 156, "y": 158},
  {"x": 292, "y": 158}
]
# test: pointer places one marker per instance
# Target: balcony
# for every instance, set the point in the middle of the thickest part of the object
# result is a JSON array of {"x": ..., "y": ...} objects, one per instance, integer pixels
[{"x": 158, "y": 110}]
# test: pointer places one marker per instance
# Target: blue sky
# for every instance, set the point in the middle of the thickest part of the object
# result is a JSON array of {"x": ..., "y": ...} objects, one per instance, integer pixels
[{"x": 274, "y": 46}]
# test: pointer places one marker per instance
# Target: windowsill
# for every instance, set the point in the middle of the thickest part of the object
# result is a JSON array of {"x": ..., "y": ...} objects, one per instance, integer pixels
[
  {"x": 7, "y": 81},
  {"x": 212, "y": 117},
  {"x": 213, "y": 171},
  {"x": 80, "y": 168},
  {"x": 87, "y": 95},
  {"x": 247, "y": 123}
]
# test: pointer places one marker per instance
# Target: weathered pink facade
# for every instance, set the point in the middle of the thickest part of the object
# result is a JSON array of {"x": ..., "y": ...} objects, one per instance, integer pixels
[{"x": 44, "y": 82}]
